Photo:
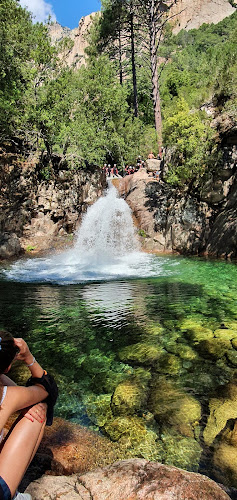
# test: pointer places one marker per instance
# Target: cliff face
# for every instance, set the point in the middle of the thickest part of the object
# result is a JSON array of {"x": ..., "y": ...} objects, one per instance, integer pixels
[
  {"x": 173, "y": 220},
  {"x": 36, "y": 213},
  {"x": 188, "y": 15},
  {"x": 193, "y": 14},
  {"x": 76, "y": 55}
]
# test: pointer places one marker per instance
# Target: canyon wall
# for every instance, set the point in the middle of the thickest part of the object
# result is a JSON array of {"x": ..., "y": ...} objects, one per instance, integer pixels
[
  {"x": 188, "y": 15},
  {"x": 40, "y": 204},
  {"x": 184, "y": 221},
  {"x": 193, "y": 14}
]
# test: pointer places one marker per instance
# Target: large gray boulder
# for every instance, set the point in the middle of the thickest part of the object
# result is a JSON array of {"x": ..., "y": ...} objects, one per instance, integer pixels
[{"x": 9, "y": 246}]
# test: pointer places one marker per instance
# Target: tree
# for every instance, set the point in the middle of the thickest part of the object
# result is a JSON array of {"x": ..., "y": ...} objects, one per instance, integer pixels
[
  {"x": 155, "y": 15},
  {"x": 15, "y": 47},
  {"x": 116, "y": 33},
  {"x": 27, "y": 61}
]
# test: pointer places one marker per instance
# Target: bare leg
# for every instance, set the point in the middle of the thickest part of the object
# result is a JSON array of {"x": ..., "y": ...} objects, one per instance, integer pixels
[{"x": 18, "y": 450}]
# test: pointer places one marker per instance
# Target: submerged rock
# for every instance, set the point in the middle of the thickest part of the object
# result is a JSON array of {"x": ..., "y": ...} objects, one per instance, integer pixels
[
  {"x": 225, "y": 333},
  {"x": 195, "y": 331},
  {"x": 175, "y": 408},
  {"x": 180, "y": 451},
  {"x": 215, "y": 348},
  {"x": 128, "y": 398},
  {"x": 170, "y": 364},
  {"x": 10, "y": 246},
  {"x": 225, "y": 457},
  {"x": 140, "y": 353},
  {"x": 222, "y": 409},
  {"x": 129, "y": 479},
  {"x": 75, "y": 449}
]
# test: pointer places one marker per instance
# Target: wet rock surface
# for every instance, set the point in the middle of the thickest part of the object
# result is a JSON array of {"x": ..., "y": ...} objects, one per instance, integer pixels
[{"x": 10, "y": 245}]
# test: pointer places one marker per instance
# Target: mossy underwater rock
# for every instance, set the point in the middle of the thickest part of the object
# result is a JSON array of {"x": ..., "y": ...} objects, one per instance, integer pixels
[
  {"x": 232, "y": 357},
  {"x": 234, "y": 343},
  {"x": 225, "y": 457},
  {"x": 180, "y": 451},
  {"x": 174, "y": 407},
  {"x": 222, "y": 409},
  {"x": 225, "y": 334},
  {"x": 169, "y": 364},
  {"x": 215, "y": 348},
  {"x": 144, "y": 354},
  {"x": 132, "y": 427},
  {"x": 134, "y": 438},
  {"x": 99, "y": 409},
  {"x": 128, "y": 398},
  {"x": 184, "y": 351},
  {"x": 225, "y": 463},
  {"x": 195, "y": 330}
]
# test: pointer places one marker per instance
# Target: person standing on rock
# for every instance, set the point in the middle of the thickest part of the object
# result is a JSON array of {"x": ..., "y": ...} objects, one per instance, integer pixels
[{"x": 36, "y": 401}]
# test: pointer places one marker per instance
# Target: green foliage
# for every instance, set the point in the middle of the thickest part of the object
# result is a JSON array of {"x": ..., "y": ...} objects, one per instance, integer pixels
[
  {"x": 202, "y": 69},
  {"x": 26, "y": 60},
  {"x": 199, "y": 58},
  {"x": 191, "y": 138},
  {"x": 87, "y": 115},
  {"x": 15, "y": 39},
  {"x": 30, "y": 248}
]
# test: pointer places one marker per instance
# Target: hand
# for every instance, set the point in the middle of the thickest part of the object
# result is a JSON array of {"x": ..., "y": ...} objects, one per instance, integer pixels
[
  {"x": 36, "y": 412},
  {"x": 24, "y": 354}
]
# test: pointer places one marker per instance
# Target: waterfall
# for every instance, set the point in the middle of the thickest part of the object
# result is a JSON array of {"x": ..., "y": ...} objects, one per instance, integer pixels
[
  {"x": 106, "y": 233},
  {"x": 106, "y": 248}
]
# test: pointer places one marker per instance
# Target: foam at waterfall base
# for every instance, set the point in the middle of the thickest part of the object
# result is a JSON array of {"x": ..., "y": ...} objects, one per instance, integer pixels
[
  {"x": 54, "y": 270},
  {"x": 106, "y": 248}
]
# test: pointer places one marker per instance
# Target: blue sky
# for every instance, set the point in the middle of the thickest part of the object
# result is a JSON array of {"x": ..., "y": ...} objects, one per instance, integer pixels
[{"x": 66, "y": 12}]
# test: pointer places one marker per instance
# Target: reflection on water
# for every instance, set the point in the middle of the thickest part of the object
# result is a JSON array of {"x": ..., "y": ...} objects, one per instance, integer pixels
[
  {"x": 109, "y": 303},
  {"x": 149, "y": 362}
]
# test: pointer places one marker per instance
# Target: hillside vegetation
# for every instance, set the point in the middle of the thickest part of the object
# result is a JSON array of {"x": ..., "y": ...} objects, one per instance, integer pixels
[
  {"x": 202, "y": 73},
  {"x": 87, "y": 115}
]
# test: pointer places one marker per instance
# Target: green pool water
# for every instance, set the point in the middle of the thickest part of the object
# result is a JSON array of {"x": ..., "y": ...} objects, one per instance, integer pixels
[{"x": 151, "y": 363}]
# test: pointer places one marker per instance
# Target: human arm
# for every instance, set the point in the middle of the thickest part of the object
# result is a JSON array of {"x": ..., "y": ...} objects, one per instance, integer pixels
[
  {"x": 27, "y": 357},
  {"x": 35, "y": 412},
  {"x": 39, "y": 378},
  {"x": 6, "y": 380}
]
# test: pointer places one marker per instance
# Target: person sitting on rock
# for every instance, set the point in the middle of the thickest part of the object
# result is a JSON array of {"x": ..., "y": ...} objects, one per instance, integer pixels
[
  {"x": 36, "y": 400},
  {"x": 151, "y": 156},
  {"x": 157, "y": 175}
]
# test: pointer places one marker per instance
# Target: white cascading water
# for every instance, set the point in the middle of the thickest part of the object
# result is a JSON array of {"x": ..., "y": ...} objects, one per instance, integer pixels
[
  {"x": 106, "y": 248},
  {"x": 107, "y": 230}
]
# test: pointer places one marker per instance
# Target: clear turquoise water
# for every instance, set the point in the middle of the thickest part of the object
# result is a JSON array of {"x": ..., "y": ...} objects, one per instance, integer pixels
[{"x": 103, "y": 338}]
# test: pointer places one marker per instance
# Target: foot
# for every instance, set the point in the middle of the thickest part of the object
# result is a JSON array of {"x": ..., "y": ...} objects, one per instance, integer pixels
[{"x": 22, "y": 496}]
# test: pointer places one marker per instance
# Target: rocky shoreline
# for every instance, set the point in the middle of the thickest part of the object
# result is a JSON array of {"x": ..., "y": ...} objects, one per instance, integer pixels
[
  {"x": 76, "y": 463},
  {"x": 134, "y": 479}
]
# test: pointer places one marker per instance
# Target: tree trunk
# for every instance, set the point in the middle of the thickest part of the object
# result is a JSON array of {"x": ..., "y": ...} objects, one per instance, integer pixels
[
  {"x": 120, "y": 58},
  {"x": 134, "y": 76},
  {"x": 154, "y": 75}
]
